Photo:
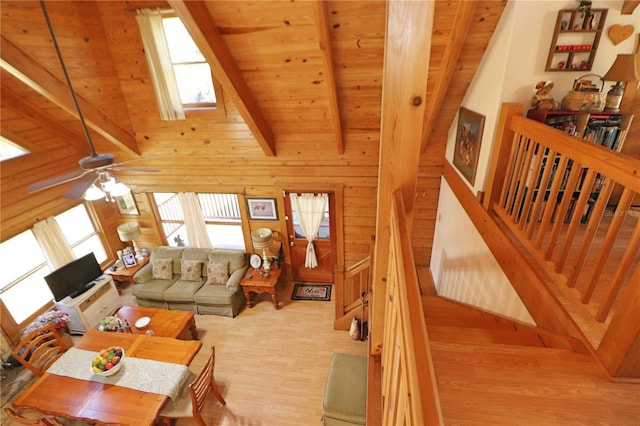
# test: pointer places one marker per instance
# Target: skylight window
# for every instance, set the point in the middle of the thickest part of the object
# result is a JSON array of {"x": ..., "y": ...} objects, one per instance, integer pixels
[
  {"x": 10, "y": 149},
  {"x": 181, "y": 76},
  {"x": 192, "y": 71}
]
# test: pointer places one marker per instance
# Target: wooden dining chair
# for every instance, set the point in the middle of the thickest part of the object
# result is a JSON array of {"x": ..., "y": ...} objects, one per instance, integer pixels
[
  {"x": 31, "y": 418},
  {"x": 191, "y": 403},
  {"x": 39, "y": 349}
]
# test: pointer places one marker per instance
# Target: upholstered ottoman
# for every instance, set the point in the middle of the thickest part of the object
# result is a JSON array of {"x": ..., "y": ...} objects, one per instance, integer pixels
[{"x": 345, "y": 394}]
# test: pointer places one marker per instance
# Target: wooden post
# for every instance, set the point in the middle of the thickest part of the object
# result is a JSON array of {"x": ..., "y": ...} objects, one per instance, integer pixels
[{"x": 404, "y": 90}]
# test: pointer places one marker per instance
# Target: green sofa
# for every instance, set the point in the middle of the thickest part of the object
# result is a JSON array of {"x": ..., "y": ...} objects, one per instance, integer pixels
[{"x": 192, "y": 295}]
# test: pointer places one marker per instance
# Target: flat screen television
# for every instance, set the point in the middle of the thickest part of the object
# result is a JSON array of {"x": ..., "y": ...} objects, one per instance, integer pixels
[{"x": 74, "y": 278}]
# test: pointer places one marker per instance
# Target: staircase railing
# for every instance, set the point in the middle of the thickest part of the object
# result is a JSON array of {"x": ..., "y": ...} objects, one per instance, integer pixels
[
  {"x": 350, "y": 285},
  {"x": 554, "y": 193},
  {"x": 409, "y": 391}
]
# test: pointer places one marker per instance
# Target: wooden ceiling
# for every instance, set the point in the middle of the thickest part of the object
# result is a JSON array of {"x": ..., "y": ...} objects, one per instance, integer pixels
[{"x": 297, "y": 77}]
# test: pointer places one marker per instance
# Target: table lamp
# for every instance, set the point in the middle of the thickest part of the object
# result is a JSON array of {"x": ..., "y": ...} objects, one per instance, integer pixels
[
  {"x": 129, "y": 232},
  {"x": 625, "y": 68},
  {"x": 262, "y": 239}
]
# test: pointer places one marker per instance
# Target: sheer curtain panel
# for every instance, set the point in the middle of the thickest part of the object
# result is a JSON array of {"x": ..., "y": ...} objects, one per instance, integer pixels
[
  {"x": 160, "y": 66},
  {"x": 194, "y": 220},
  {"x": 54, "y": 245},
  {"x": 310, "y": 208}
]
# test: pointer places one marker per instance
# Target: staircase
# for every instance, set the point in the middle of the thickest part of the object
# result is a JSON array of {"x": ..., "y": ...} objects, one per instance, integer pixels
[{"x": 492, "y": 370}]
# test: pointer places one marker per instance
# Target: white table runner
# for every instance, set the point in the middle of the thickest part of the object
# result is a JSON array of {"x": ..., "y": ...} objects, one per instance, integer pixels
[{"x": 145, "y": 375}]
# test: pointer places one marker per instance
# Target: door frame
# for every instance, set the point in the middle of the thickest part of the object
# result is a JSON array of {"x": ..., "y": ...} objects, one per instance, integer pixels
[{"x": 338, "y": 192}]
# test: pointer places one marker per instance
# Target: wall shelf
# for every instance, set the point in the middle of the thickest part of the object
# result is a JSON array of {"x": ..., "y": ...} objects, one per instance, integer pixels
[{"x": 575, "y": 41}]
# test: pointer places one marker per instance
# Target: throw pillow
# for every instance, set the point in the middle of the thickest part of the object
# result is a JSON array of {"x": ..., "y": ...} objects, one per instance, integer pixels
[
  {"x": 162, "y": 269},
  {"x": 191, "y": 270},
  {"x": 217, "y": 272}
]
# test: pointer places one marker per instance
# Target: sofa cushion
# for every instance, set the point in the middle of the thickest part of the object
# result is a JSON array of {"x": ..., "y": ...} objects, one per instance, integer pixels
[
  {"x": 191, "y": 270},
  {"x": 213, "y": 295},
  {"x": 236, "y": 258},
  {"x": 217, "y": 272},
  {"x": 166, "y": 252},
  {"x": 162, "y": 269},
  {"x": 192, "y": 253},
  {"x": 182, "y": 291},
  {"x": 152, "y": 290}
]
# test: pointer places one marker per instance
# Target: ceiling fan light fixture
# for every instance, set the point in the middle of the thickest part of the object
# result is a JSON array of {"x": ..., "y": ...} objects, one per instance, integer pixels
[
  {"x": 119, "y": 189},
  {"x": 93, "y": 193}
]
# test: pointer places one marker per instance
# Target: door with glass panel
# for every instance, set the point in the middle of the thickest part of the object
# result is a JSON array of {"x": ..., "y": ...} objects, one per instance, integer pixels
[{"x": 302, "y": 268}]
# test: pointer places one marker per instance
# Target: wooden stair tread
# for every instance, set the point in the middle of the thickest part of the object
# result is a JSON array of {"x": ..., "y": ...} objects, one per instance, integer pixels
[
  {"x": 494, "y": 384},
  {"x": 441, "y": 311}
]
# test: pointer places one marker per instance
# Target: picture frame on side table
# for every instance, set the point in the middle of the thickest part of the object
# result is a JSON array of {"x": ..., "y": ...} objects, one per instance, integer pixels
[
  {"x": 262, "y": 208},
  {"x": 129, "y": 260},
  {"x": 127, "y": 204},
  {"x": 468, "y": 141}
]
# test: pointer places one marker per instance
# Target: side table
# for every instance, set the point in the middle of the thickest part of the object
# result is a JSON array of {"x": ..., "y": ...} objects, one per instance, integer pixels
[
  {"x": 123, "y": 275},
  {"x": 253, "y": 281}
]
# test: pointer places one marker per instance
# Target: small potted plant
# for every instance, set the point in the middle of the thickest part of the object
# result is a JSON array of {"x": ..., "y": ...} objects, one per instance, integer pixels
[
  {"x": 59, "y": 319},
  {"x": 113, "y": 323}
]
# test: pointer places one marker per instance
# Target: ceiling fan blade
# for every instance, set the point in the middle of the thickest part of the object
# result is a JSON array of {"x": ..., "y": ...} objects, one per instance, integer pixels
[
  {"x": 134, "y": 169},
  {"x": 77, "y": 189},
  {"x": 59, "y": 180}
]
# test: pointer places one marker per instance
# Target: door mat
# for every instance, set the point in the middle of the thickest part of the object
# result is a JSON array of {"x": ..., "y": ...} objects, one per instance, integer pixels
[{"x": 311, "y": 292}]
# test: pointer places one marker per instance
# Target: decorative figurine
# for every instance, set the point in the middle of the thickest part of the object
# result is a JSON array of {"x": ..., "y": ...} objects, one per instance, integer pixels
[{"x": 542, "y": 100}]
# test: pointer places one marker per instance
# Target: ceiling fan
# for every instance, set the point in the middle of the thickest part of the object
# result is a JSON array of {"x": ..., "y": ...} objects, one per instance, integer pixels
[{"x": 96, "y": 167}]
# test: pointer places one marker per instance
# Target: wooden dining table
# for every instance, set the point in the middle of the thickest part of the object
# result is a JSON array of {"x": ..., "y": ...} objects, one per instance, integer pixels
[{"x": 101, "y": 403}]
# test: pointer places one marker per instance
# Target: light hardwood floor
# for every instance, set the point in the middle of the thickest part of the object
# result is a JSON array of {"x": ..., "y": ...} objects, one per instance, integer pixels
[{"x": 271, "y": 366}]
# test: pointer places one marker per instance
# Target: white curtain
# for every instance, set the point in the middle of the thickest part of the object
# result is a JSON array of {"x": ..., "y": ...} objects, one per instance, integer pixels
[
  {"x": 194, "y": 220},
  {"x": 160, "y": 66},
  {"x": 54, "y": 245},
  {"x": 310, "y": 208}
]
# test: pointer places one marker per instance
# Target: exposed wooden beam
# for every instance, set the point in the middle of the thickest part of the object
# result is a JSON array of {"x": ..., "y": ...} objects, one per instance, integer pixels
[
  {"x": 38, "y": 117},
  {"x": 202, "y": 27},
  {"x": 404, "y": 90},
  {"x": 329, "y": 71},
  {"x": 33, "y": 74},
  {"x": 460, "y": 25},
  {"x": 628, "y": 6}
]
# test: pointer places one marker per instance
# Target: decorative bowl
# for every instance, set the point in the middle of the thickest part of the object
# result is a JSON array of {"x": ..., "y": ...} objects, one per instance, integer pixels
[{"x": 107, "y": 362}]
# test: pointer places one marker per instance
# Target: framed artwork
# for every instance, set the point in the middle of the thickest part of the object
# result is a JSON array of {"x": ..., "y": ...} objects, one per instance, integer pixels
[
  {"x": 468, "y": 139},
  {"x": 126, "y": 204},
  {"x": 129, "y": 260},
  {"x": 262, "y": 208}
]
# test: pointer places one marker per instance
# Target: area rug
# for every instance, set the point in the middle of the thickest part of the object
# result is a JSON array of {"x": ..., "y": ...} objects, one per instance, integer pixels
[{"x": 308, "y": 291}]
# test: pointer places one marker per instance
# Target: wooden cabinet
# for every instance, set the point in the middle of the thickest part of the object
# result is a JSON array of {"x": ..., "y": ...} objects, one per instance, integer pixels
[
  {"x": 88, "y": 309},
  {"x": 575, "y": 41}
]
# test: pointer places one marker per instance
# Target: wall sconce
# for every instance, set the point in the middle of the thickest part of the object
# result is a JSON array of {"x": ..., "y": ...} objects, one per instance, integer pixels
[
  {"x": 262, "y": 239},
  {"x": 129, "y": 232},
  {"x": 624, "y": 69}
]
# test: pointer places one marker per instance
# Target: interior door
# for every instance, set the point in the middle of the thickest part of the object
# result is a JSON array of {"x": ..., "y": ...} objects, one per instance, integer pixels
[{"x": 324, "y": 245}]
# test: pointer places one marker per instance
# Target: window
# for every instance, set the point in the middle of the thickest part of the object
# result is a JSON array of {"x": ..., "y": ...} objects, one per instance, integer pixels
[
  {"x": 181, "y": 76},
  {"x": 193, "y": 74},
  {"x": 221, "y": 213},
  {"x": 22, "y": 287},
  {"x": 9, "y": 149},
  {"x": 324, "y": 231}
]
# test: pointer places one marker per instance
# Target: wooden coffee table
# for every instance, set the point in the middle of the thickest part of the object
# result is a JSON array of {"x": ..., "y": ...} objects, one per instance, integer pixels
[
  {"x": 164, "y": 323},
  {"x": 253, "y": 281}
]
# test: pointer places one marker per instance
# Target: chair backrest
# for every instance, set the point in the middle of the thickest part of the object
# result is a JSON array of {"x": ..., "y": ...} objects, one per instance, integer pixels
[
  {"x": 203, "y": 383},
  {"x": 35, "y": 419},
  {"x": 39, "y": 349}
]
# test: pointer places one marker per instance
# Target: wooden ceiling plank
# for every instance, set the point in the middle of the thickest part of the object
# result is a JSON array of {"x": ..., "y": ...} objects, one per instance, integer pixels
[
  {"x": 40, "y": 118},
  {"x": 38, "y": 78},
  {"x": 460, "y": 24},
  {"x": 202, "y": 27},
  {"x": 329, "y": 71}
]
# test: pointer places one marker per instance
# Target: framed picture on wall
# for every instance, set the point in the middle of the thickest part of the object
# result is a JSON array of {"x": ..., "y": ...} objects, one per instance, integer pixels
[
  {"x": 468, "y": 139},
  {"x": 262, "y": 208},
  {"x": 126, "y": 204}
]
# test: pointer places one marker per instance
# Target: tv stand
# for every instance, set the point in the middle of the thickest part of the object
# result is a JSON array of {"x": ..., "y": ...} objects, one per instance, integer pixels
[{"x": 98, "y": 299}]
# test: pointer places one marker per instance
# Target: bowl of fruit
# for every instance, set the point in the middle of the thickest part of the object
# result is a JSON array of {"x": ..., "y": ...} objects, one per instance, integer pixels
[{"x": 108, "y": 361}]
